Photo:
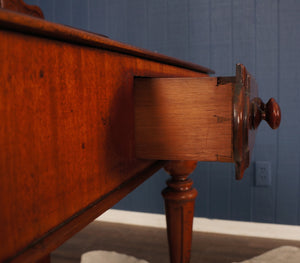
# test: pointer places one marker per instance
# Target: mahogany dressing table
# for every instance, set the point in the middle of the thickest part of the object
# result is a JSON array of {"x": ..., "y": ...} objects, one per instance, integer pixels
[{"x": 85, "y": 120}]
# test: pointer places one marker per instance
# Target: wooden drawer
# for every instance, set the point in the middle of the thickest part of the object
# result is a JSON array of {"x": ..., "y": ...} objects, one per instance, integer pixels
[{"x": 203, "y": 119}]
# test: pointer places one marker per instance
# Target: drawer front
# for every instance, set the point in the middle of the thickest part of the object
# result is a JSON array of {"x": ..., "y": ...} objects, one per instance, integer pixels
[{"x": 203, "y": 119}]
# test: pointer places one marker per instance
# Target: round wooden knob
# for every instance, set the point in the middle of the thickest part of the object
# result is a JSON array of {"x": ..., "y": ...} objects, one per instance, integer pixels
[{"x": 269, "y": 112}]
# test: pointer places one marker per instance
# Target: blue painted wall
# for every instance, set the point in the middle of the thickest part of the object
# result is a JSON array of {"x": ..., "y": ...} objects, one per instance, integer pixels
[{"x": 265, "y": 36}]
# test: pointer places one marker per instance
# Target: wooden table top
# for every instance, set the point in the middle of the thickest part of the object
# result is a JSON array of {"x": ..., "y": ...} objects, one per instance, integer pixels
[{"x": 67, "y": 134}]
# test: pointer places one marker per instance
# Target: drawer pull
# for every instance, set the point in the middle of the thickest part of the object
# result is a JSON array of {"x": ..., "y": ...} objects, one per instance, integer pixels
[
  {"x": 202, "y": 119},
  {"x": 249, "y": 110},
  {"x": 269, "y": 112}
]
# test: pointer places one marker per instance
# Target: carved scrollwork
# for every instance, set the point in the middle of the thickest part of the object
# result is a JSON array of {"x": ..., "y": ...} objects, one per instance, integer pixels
[{"x": 21, "y": 7}]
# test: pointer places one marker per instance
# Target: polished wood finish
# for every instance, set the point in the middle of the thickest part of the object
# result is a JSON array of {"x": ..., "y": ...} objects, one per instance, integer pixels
[
  {"x": 67, "y": 137},
  {"x": 203, "y": 119},
  {"x": 179, "y": 204},
  {"x": 31, "y": 25},
  {"x": 67, "y": 229},
  {"x": 248, "y": 111},
  {"x": 46, "y": 259},
  {"x": 21, "y": 7},
  {"x": 269, "y": 112},
  {"x": 242, "y": 134},
  {"x": 184, "y": 118}
]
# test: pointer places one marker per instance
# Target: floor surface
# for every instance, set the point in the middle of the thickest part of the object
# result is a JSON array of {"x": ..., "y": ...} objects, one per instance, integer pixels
[{"x": 151, "y": 244}]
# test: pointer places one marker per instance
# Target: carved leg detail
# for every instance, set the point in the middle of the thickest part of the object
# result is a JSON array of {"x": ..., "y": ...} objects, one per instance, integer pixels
[{"x": 179, "y": 205}]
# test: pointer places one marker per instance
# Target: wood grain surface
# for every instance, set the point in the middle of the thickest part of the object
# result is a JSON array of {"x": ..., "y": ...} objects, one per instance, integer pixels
[
  {"x": 180, "y": 198},
  {"x": 184, "y": 118},
  {"x": 31, "y": 25},
  {"x": 67, "y": 137}
]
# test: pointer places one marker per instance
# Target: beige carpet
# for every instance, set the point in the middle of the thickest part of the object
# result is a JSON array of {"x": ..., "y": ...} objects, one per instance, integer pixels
[
  {"x": 285, "y": 254},
  {"x": 151, "y": 244},
  {"x": 100, "y": 256}
]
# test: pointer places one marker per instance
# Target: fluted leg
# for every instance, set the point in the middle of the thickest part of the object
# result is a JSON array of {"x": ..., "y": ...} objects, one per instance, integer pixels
[{"x": 179, "y": 205}]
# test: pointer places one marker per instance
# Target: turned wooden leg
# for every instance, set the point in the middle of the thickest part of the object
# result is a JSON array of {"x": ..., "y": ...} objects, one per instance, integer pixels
[
  {"x": 45, "y": 259},
  {"x": 179, "y": 204}
]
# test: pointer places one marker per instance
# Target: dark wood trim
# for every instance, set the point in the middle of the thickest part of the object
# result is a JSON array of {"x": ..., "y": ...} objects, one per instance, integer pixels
[{"x": 55, "y": 237}]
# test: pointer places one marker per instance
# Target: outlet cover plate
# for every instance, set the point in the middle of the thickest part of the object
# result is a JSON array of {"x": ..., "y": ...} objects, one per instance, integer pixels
[{"x": 263, "y": 174}]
